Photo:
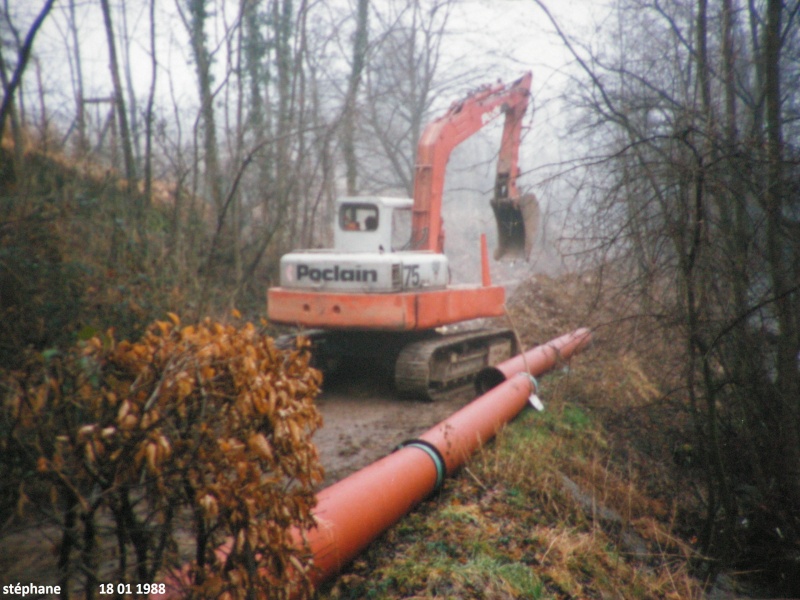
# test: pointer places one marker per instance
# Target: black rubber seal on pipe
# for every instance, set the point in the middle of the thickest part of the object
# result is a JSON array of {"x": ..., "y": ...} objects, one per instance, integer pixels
[{"x": 436, "y": 457}]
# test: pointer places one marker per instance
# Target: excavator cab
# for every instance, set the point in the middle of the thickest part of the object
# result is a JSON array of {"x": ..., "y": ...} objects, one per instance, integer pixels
[{"x": 372, "y": 224}]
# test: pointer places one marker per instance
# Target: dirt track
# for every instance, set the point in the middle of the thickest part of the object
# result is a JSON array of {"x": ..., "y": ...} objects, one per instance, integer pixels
[{"x": 364, "y": 420}]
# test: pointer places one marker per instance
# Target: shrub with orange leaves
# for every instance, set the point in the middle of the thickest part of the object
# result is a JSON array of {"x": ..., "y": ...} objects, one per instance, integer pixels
[{"x": 191, "y": 437}]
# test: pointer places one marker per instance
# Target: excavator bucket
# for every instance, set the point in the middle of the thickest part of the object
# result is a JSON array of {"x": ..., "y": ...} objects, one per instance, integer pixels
[{"x": 517, "y": 225}]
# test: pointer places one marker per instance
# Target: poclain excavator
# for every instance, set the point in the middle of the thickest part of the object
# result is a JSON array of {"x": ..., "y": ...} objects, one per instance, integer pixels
[{"x": 383, "y": 290}]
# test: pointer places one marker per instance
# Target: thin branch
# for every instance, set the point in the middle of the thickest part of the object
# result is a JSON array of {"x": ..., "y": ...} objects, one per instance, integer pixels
[{"x": 22, "y": 61}]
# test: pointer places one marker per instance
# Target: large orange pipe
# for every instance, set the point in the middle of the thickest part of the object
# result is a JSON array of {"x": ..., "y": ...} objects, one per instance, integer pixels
[
  {"x": 551, "y": 353},
  {"x": 353, "y": 512}
]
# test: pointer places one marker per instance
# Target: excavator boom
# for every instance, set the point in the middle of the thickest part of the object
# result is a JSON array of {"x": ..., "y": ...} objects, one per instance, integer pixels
[{"x": 517, "y": 217}]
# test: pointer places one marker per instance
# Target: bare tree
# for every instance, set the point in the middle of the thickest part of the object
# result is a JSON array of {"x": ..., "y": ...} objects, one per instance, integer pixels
[
  {"x": 403, "y": 81},
  {"x": 149, "y": 113},
  {"x": 10, "y": 84},
  {"x": 82, "y": 145},
  {"x": 693, "y": 173},
  {"x": 194, "y": 15},
  {"x": 283, "y": 91},
  {"x": 119, "y": 96},
  {"x": 360, "y": 41}
]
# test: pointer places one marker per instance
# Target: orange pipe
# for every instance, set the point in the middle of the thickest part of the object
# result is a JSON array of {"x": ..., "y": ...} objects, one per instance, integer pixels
[
  {"x": 353, "y": 512},
  {"x": 550, "y": 354}
]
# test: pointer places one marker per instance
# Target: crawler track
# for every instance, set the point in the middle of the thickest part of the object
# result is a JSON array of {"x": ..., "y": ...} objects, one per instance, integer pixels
[
  {"x": 427, "y": 365},
  {"x": 434, "y": 367}
]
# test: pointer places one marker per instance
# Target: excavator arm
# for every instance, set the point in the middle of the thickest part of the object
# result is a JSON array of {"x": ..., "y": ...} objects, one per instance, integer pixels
[{"x": 517, "y": 217}]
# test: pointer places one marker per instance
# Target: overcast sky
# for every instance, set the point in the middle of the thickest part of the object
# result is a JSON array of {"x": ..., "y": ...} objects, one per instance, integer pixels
[{"x": 512, "y": 33}]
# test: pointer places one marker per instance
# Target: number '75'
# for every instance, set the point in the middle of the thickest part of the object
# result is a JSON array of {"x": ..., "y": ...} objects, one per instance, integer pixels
[{"x": 412, "y": 275}]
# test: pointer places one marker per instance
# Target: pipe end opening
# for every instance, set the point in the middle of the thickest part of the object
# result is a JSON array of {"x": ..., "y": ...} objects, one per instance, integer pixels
[{"x": 488, "y": 378}]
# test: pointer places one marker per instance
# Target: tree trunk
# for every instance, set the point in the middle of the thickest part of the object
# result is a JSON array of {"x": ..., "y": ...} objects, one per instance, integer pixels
[
  {"x": 196, "y": 27},
  {"x": 282, "y": 14},
  {"x": 780, "y": 262},
  {"x": 133, "y": 109},
  {"x": 717, "y": 472},
  {"x": 360, "y": 40},
  {"x": 23, "y": 55},
  {"x": 82, "y": 146},
  {"x": 148, "y": 115},
  {"x": 119, "y": 98}
]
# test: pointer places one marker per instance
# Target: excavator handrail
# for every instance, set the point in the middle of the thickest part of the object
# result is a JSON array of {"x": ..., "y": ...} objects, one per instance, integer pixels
[{"x": 463, "y": 119}]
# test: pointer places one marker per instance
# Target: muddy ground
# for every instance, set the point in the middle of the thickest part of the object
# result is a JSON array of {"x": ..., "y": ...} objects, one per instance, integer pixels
[{"x": 364, "y": 420}]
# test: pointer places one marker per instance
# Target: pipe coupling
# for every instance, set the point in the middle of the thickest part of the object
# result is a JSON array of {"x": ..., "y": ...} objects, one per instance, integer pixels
[{"x": 436, "y": 456}]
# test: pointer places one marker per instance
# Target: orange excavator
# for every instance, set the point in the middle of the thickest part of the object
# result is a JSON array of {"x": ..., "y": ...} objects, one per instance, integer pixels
[{"x": 383, "y": 292}]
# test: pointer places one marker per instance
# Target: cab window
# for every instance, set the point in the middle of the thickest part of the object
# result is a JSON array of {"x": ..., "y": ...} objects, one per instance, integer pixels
[{"x": 358, "y": 217}]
